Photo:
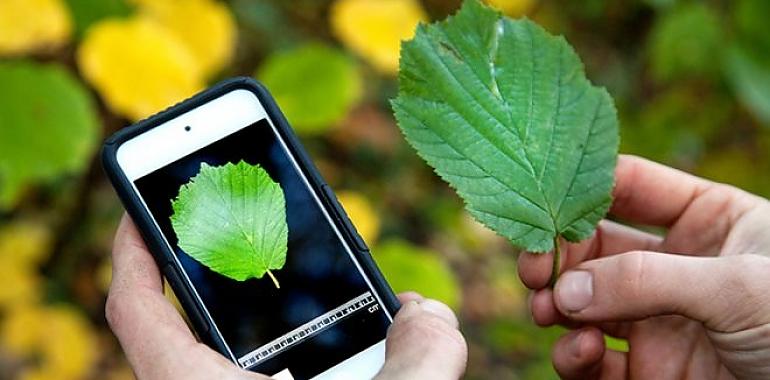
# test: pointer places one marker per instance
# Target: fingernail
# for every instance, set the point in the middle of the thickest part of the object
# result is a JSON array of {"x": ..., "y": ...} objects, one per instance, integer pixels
[
  {"x": 431, "y": 306},
  {"x": 575, "y": 290},
  {"x": 408, "y": 309},
  {"x": 440, "y": 310}
]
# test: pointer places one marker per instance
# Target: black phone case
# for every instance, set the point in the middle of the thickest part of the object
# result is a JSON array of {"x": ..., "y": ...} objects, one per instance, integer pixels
[{"x": 154, "y": 240}]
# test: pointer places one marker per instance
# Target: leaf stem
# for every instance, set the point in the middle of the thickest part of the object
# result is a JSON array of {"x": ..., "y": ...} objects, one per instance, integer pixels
[
  {"x": 556, "y": 262},
  {"x": 275, "y": 280}
]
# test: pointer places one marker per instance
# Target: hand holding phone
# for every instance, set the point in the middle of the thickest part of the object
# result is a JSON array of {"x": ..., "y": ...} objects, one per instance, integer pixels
[
  {"x": 254, "y": 244},
  {"x": 422, "y": 343}
]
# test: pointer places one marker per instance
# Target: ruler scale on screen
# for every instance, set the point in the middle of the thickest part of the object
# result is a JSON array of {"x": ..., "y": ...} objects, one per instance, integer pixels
[{"x": 311, "y": 328}]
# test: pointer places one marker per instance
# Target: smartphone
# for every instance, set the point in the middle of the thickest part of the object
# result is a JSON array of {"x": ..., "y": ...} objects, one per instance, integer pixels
[{"x": 329, "y": 317}]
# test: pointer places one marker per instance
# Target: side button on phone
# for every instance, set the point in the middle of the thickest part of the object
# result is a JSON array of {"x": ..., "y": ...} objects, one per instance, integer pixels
[
  {"x": 187, "y": 301},
  {"x": 329, "y": 194}
]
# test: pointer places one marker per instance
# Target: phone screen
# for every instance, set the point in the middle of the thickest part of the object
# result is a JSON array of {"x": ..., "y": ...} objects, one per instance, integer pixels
[{"x": 325, "y": 310}]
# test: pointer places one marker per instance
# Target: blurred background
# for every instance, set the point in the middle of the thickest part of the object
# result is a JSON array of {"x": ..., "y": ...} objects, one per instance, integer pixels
[{"x": 691, "y": 80}]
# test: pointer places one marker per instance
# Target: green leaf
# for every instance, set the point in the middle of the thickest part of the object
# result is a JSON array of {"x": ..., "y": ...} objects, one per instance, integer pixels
[
  {"x": 315, "y": 85},
  {"x": 86, "y": 12},
  {"x": 408, "y": 267},
  {"x": 661, "y": 4},
  {"x": 48, "y": 126},
  {"x": 750, "y": 80},
  {"x": 686, "y": 42},
  {"x": 264, "y": 26},
  {"x": 750, "y": 23},
  {"x": 232, "y": 219},
  {"x": 504, "y": 113}
]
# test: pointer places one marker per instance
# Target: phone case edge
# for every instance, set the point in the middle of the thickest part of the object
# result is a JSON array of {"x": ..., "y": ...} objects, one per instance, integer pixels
[{"x": 153, "y": 237}]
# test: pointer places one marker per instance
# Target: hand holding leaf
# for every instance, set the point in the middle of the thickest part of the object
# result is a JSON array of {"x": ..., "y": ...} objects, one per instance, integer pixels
[
  {"x": 232, "y": 219},
  {"x": 504, "y": 113}
]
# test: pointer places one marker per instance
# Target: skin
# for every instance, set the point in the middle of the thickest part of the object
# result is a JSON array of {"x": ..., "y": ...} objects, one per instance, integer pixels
[
  {"x": 423, "y": 342},
  {"x": 692, "y": 304}
]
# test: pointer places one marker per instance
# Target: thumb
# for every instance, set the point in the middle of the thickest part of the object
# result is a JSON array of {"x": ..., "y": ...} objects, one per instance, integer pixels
[
  {"x": 424, "y": 343},
  {"x": 724, "y": 293}
]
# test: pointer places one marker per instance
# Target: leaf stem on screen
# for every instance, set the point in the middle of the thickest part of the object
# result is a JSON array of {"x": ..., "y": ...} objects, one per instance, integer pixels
[{"x": 275, "y": 280}]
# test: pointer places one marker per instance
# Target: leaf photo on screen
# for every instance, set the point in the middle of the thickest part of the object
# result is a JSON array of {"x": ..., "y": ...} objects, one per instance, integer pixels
[{"x": 232, "y": 219}]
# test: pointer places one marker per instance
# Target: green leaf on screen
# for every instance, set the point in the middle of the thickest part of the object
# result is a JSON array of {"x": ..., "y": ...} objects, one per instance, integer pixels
[{"x": 232, "y": 219}]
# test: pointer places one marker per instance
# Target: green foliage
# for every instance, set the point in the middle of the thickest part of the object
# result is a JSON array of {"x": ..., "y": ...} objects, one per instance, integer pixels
[
  {"x": 616, "y": 344},
  {"x": 750, "y": 17},
  {"x": 48, "y": 126},
  {"x": 504, "y": 113},
  {"x": 266, "y": 26},
  {"x": 747, "y": 65},
  {"x": 661, "y": 4},
  {"x": 529, "y": 347},
  {"x": 86, "y": 12},
  {"x": 686, "y": 42},
  {"x": 315, "y": 85},
  {"x": 751, "y": 81},
  {"x": 735, "y": 167},
  {"x": 407, "y": 267},
  {"x": 707, "y": 120},
  {"x": 232, "y": 219},
  {"x": 689, "y": 120}
]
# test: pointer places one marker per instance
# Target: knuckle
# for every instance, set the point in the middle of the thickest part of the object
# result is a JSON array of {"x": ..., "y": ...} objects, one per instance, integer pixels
[
  {"x": 114, "y": 309},
  {"x": 730, "y": 192},
  {"x": 634, "y": 271},
  {"x": 631, "y": 166}
]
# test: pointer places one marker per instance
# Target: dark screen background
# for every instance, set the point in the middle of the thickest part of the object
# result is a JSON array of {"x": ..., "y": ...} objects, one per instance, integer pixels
[{"x": 318, "y": 276}]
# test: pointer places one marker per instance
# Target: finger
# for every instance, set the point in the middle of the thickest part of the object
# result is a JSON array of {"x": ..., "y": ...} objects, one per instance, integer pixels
[
  {"x": 721, "y": 292},
  {"x": 610, "y": 238},
  {"x": 578, "y": 354},
  {"x": 132, "y": 264},
  {"x": 650, "y": 193},
  {"x": 405, "y": 297},
  {"x": 422, "y": 343},
  {"x": 545, "y": 313},
  {"x": 439, "y": 309},
  {"x": 582, "y": 354},
  {"x": 136, "y": 304}
]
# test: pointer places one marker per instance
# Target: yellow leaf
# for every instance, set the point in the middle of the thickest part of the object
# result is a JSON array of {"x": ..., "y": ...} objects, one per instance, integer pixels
[
  {"x": 362, "y": 214},
  {"x": 58, "y": 337},
  {"x": 513, "y": 8},
  {"x": 20, "y": 330},
  {"x": 30, "y": 25},
  {"x": 206, "y": 28},
  {"x": 138, "y": 66},
  {"x": 23, "y": 284},
  {"x": 24, "y": 244},
  {"x": 122, "y": 372},
  {"x": 103, "y": 275},
  {"x": 375, "y": 28}
]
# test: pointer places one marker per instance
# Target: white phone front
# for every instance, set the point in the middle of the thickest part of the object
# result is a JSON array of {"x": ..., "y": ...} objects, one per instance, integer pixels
[{"x": 327, "y": 319}]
